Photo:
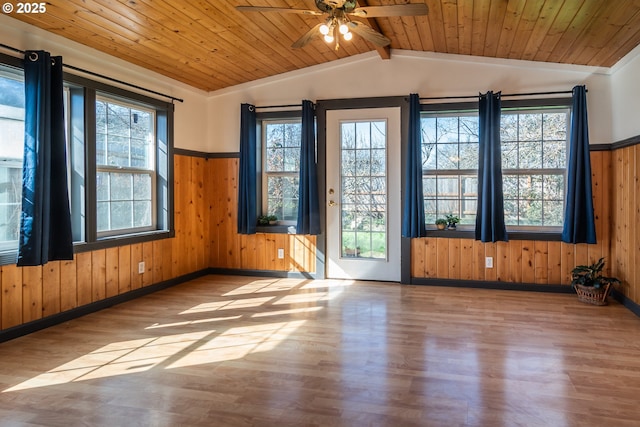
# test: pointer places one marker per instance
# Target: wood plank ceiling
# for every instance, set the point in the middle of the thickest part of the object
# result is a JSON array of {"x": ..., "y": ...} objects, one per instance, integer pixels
[{"x": 209, "y": 45}]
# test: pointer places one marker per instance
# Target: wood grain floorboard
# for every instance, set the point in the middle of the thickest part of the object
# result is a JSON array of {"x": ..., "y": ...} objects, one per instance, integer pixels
[{"x": 243, "y": 351}]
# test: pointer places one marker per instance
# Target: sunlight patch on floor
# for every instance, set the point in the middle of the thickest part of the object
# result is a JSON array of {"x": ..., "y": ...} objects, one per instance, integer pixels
[
  {"x": 230, "y": 340},
  {"x": 192, "y": 322},
  {"x": 237, "y": 343},
  {"x": 228, "y": 305}
]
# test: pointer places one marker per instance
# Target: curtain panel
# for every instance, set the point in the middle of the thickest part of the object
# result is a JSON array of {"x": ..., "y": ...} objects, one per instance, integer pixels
[
  {"x": 247, "y": 209},
  {"x": 45, "y": 221},
  {"x": 413, "y": 219},
  {"x": 579, "y": 218},
  {"x": 490, "y": 225},
  {"x": 308, "y": 202}
]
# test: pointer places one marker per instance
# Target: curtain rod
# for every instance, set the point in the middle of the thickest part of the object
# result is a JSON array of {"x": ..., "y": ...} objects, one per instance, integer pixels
[
  {"x": 279, "y": 106},
  {"x": 560, "y": 92},
  {"x": 102, "y": 76}
]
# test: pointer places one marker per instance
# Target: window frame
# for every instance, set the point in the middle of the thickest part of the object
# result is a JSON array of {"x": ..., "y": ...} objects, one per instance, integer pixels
[
  {"x": 262, "y": 175},
  {"x": 8, "y": 250},
  {"x": 465, "y": 111},
  {"x": 84, "y": 94},
  {"x": 130, "y": 169},
  {"x": 80, "y": 116},
  {"x": 544, "y": 233},
  {"x": 542, "y": 171}
]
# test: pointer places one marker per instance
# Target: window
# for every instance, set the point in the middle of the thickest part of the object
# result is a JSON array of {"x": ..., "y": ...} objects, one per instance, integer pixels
[
  {"x": 534, "y": 150},
  {"x": 120, "y": 144},
  {"x": 450, "y": 165},
  {"x": 281, "y": 166},
  {"x": 119, "y": 151},
  {"x": 125, "y": 166},
  {"x": 11, "y": 153},
  {"x": 534, "y": 141}
]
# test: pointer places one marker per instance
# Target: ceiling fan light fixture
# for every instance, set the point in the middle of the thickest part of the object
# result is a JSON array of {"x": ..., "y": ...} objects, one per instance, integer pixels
[
  {"x": 348, "y": 36},
  {"x": 328, "y": 38},
  {"x": 324, "y": 29},
  {"x": 343, "y": 28}
]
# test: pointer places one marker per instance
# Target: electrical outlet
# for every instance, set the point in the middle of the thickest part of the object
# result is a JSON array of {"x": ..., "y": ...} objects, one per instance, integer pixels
[
  {"x": 141, "y": 267},
  {"x": 280, "y": 253},
  {"x": 488, "y": 262}
]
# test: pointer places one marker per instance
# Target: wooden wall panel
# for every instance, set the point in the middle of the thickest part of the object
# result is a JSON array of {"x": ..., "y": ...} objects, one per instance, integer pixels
[
  {"x": 11, "y": 296},
  {"x": 112, "y": 273},
  {"x": 68, "y": 286},
  {"x": 31, "y": 293},
  {"x": 625, "y": 216},
  {"x": 542, "y": 262},
  {"x": 51, "y": 283},
  {"x": 83, "y": 276},
  {"x": 228, "y": 249}
]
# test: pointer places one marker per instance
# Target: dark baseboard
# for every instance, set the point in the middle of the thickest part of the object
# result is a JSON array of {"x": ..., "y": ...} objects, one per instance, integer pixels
[
  {"x": 263, "y": 273},
  {"x": 628, "y": 303},
  {"x": 37, "y": 325},
  {"x": 530, "y": 287}
]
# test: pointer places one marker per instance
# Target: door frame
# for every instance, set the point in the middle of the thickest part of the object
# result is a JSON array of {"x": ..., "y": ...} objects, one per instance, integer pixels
[{"x": 322, "y": 106}]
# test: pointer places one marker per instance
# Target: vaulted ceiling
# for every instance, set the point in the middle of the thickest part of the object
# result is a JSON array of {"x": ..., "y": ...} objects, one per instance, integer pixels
[{"x": 210, "y": 45}]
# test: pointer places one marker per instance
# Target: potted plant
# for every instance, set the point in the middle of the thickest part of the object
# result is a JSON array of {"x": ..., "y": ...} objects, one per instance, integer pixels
[
  {"x": 590, "y": 285},
  {"x": 263, "y": 220},
  {"x": 441, "y": 223},
  {"x": 272, "y": 219},
  {"x": 452, "y": 220}
]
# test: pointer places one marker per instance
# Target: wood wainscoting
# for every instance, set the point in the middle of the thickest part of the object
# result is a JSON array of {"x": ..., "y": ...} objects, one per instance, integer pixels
[
  {"x": 625, "y": 221},
  {"x": 520, "y": 261},
  {"x": 205, "y": 201},
  {"x": 230, "y": 250}
]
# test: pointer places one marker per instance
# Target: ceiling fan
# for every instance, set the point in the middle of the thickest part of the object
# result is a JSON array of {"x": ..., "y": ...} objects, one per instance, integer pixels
[{"x": 338, "y": 20}]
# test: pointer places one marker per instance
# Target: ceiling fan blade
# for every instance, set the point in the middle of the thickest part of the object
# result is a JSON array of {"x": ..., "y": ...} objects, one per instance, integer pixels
[
  {"x": 307, "y": 37},
  {"x": 277, "y": 9},
  {"x": 411, "y": 9},
  {"x": 368, "y": 33}
]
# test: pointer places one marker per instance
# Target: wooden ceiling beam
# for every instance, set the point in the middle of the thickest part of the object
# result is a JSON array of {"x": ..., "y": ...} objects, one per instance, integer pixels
[{"x": 384, "y": 52}]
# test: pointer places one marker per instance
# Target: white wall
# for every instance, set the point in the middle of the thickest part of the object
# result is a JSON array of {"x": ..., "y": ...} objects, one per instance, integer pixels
[
  {"x": 626, "y": 97},
  {"x": 190, "y": 116},
  {"x": 428, "y": 74}
]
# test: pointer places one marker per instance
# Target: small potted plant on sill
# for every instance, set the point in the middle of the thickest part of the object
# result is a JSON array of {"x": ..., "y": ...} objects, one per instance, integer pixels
[
  {"x": 590, "y": 285},
  {"x": 441, "y": 223},
  {"x": 263, "y": 220},
  {"x": 272, "y": 219},
  {"x": 452, "y": 220}
]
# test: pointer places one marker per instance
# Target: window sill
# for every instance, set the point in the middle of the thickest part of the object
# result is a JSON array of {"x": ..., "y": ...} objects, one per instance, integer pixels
[
  {"x": 276, "y": 229},
  {"x": 122, "y": 240},
  {"x": 513, "y": 235}
]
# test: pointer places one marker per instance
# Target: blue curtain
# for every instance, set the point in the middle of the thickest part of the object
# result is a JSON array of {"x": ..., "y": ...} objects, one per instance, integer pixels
[
  {"x": 45, "y": 221},
  {"x": 490, "y": 226},
  {"x": 413, "y": 222},
  {"x": 247, "y": 210},
  {"x": 579, "y": 221},
  {"x": 308, "y": 204}
]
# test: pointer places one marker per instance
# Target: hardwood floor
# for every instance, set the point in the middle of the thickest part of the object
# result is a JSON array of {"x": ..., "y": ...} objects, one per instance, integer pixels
[{"x": 241, "y": 351}]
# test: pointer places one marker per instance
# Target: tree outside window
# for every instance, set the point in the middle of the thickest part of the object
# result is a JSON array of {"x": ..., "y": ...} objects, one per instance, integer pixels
[{"x": 281, "y": 165}]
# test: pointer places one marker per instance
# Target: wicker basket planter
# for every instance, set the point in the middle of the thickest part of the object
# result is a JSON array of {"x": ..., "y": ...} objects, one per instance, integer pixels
[
  {"x": 590, "y": 285},
  {"x": 591, "y": 295}
]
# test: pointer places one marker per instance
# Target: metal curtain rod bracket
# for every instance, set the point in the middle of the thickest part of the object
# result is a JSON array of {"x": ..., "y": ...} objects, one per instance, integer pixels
[{"x": 102, "y": 76}]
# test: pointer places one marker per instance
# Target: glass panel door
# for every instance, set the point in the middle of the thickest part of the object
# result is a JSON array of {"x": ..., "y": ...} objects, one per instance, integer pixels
[{"x": 363, "y": 185}]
